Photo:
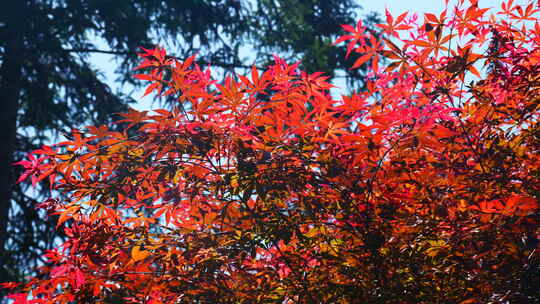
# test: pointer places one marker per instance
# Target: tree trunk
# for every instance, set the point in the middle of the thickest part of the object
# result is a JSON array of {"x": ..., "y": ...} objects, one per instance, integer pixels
[{"x": 10, "y": 88}]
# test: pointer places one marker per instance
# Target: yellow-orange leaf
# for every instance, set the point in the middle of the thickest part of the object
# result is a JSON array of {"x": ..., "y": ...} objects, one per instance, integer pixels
[{"x": 137, "y": 254}]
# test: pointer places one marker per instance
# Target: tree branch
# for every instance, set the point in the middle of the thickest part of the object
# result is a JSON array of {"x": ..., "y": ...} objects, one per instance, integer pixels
[{"x": 200, "y": 62}]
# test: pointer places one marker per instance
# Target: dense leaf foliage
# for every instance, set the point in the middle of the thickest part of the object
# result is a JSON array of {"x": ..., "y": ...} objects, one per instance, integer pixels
[
  {"x": 266, "y": 188},
  {"x": 49, "y": 82}
]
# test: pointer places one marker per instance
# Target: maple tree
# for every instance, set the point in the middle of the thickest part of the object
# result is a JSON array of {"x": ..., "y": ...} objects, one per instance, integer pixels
[
  {"x": 50, "y": 83},
  {"x": 266, "y": 188}
]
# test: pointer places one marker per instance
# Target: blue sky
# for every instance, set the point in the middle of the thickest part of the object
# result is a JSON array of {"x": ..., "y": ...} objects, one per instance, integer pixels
[
  {"x": 421, "y": 6},
  {"x": 106, "y": 64}
]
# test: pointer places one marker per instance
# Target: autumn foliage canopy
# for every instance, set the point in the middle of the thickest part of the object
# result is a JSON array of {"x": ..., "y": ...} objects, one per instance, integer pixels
[{"x": 423, "y": 187}]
